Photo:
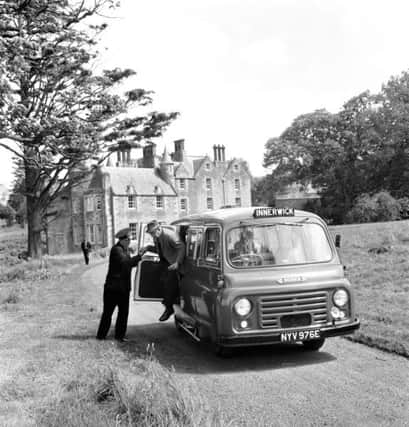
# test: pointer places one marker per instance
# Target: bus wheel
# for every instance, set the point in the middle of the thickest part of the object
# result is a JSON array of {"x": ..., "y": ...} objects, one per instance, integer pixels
[
  {"x": 314, "y": 345},
  {"x": 222, "y": 351}
]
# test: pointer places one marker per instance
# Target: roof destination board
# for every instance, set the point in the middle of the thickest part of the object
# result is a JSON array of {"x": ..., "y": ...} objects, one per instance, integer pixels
[{"x": 272, "y": 212}]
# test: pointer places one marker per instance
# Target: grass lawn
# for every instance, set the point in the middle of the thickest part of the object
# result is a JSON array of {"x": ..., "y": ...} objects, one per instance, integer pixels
[
  {"x": 377, "y": 260},
  {"x": 53, "y": 371},
  {"x": 49, "y": 377}
]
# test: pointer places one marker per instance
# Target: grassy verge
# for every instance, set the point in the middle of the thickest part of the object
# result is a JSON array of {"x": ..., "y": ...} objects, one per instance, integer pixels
[
  {"x": 377, "y": 261},
  {"x": 54, "y": 372}
]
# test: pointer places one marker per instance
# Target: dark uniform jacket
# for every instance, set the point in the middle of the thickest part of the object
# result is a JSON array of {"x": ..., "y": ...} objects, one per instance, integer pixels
[
  {"x": 170, "y": 248},
  {"x": 119, "y": 270}
]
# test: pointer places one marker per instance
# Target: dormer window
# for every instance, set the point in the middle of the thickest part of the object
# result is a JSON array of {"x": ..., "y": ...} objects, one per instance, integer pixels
[
  {"x": 207, "y": 166},
  {"x": 208, "y": 183},
  {"x": 182, "y": 183},
  {"x": 235, "y": 167}
]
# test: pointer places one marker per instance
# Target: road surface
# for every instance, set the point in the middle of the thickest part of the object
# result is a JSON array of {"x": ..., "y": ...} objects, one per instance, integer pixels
[{"x": 344, "y": 384}]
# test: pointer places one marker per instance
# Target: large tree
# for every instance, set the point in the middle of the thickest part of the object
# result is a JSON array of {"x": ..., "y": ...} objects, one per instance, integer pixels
[
  {"x": 332, "y": 151},
  {"x": 56, "y": 112}
]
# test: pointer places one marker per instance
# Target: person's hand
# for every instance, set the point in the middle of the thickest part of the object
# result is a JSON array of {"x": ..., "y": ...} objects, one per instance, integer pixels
[
  {"x": 173, "y": 266},
  {"x": 141, "y": 251}
]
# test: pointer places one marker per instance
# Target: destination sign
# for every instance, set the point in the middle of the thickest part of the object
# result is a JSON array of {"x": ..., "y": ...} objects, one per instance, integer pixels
[{"x": 270, "y": 212}]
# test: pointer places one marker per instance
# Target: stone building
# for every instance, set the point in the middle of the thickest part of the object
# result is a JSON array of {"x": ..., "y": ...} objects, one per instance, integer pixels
[
  {"x": 126, "y": 192},
  {"x": 297, "y": 196}
]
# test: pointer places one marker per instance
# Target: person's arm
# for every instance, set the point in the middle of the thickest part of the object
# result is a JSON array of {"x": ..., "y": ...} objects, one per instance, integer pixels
[
  {"x": 122, "y": 260},
  {"x": 177, "y": 245}
]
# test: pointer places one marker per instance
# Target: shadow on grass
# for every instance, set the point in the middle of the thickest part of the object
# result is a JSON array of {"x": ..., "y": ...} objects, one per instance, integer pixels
[{"x": 178, "y": 351}]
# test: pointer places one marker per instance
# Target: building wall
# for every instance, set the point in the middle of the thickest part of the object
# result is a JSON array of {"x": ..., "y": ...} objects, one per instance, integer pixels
[
  {"x": 145, "y": 210},
  {"x": 82, "y": 218}
]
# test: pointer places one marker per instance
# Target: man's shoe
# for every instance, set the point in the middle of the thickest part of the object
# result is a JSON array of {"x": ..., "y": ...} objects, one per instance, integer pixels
[
  {"x": 122, "y": 339},
  {"x": 165, "y": 316}
]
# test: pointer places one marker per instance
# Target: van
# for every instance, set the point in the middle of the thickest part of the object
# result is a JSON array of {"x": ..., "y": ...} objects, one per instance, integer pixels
[{"x": 257, "y": 276}]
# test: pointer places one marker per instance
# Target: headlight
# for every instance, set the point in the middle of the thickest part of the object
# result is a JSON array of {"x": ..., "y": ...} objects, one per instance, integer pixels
[
  {"x": 242, "y": 307},
  {"x": 340, "y": 297}
]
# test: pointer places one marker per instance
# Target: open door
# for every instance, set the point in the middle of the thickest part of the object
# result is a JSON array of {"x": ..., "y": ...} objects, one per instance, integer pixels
[{"x": 147, "y": 284}]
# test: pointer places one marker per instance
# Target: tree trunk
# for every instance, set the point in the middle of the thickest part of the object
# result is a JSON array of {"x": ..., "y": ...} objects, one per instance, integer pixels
[
  {"x": 34, "y": 207},
  {"x": 34, "y": 222}
]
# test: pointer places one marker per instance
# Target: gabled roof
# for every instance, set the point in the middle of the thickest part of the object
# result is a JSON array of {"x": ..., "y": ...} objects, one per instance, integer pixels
[
  {"x": 142, "y": 181},
  {"x": 197, "y": 163},
  {"x": 184, "y": 169},
  {"x": 243, "y": 165}
]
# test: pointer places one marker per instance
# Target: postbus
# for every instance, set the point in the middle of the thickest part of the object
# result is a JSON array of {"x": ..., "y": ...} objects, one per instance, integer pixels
[{"x": 257, "y": 276}]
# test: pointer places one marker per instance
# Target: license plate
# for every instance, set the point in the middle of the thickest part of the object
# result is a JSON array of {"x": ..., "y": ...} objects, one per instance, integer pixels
[{"x": 300, "y": 335}]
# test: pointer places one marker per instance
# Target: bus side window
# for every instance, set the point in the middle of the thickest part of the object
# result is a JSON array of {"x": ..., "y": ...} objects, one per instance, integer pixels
[
  {"x": 193, "y": 240},
  {"x": 212, "y": 248}
]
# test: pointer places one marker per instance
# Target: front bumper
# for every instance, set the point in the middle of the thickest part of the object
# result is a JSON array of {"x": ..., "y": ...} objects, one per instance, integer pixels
[{"x": 275, "y": 337}]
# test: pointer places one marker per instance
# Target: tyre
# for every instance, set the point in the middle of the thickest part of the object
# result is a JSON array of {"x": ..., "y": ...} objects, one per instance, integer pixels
[
  {"x": 313, "y": 345},
  {"x": 222, "y": 351}
]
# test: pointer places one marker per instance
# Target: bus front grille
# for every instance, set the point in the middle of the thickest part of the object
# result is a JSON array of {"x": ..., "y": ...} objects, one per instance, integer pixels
[{"x": 289, "y": 307}]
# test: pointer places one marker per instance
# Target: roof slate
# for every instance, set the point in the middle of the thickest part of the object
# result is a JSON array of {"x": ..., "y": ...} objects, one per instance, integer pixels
[{"x": 140, "y": 181}]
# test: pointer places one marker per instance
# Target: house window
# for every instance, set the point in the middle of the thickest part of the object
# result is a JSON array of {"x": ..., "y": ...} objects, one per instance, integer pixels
[
  {"x": 182, "y": 183},
  {"x": 77, "y": 236},
  {"x": 238, "y": 201},
  {"x": 159, "y": 202},
  {"x": 236, "y": 167},
  {"x": 131, "y": 202},
  {"x": 209, "y": 203},
  {"x": 207, "y": 166},
  {"x": 76, "y": 206},
  {"x": 208, "y": 183},
  {"x": 133, "y": 226},
  {"x": 98, "y": 203},
  {"x": 237, "y": 184},
  {"x": 183, "y": 204},
  {"x": 90, "y": 233},
  {"x": 89, "y": 203},
  {"x": 98, "y": 233}
]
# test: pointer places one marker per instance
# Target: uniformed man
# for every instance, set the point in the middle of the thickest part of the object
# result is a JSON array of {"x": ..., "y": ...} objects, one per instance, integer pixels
[
  {"x": 118, "y": 286},
  {"x": 171, "y": 252}
]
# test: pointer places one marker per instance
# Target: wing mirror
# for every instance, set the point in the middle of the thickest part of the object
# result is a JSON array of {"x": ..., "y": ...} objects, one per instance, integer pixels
[{"x": 338, "y": 241}]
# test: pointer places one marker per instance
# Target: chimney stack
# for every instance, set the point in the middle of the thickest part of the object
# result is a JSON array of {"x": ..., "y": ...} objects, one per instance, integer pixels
[
  {"x": 223, "y": 156},
  {"x": 215, "y": 153},
  {"x": 179, "y": 153},
  {"x": 149, "y": 153}
]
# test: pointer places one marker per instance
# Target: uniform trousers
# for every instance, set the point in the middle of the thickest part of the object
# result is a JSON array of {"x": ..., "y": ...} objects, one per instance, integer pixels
[{"x": 114, "y": 299}]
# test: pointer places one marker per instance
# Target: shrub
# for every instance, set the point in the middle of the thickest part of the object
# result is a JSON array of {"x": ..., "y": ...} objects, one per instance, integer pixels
[
  {"x": 404, "y": 207},
  {"x": 379, "y": 207}
]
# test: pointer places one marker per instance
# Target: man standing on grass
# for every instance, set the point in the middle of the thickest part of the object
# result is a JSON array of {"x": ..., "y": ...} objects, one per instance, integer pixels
[
  {"x": 117, "y": 287},
  {"x": 171, "y": 251}
]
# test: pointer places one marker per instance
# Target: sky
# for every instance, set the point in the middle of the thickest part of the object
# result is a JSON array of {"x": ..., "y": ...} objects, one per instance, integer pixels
[{"x": 240, "y": 71}]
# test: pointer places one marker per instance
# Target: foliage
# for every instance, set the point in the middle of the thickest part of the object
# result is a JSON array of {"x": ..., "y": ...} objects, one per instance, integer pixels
[
  {"x": 379, "y": 207},
  {"x": 263, "y": 191},
  {"x": 7, "y": 213},
  {"x": 56, "y": 112},
  {"x": 362, "y": 149}
]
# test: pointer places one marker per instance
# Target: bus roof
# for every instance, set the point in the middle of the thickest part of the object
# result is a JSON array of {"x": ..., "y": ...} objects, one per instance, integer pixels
[{"x": 228, "y": 215}]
